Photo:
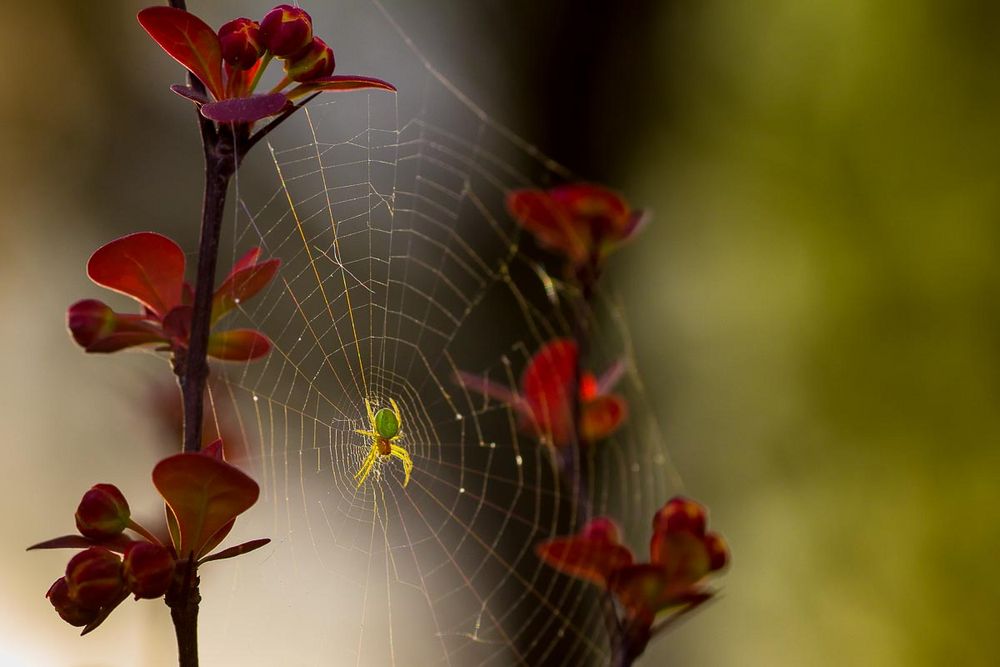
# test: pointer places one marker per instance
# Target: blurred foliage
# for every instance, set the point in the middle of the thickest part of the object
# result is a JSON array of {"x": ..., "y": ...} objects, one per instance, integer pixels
[{"x": 827, "y": 352}]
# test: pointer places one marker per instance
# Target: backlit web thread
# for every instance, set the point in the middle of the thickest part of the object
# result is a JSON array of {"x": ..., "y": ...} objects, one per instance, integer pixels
[{"x": 400, "y": 266}]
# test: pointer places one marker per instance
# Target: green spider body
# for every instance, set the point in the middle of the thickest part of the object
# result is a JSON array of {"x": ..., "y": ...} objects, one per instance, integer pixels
[
  {"x": 386, "y": 424},
  {"x": 386, "y": 428}
]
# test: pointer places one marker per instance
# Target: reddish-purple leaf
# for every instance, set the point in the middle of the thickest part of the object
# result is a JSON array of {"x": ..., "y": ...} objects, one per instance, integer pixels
[
  {"x": 216, "y": 539},
  {"x": 338, "y": 83},
  {"x": 585, "y": 558},
  {"x": 188, "y": 40},
  {"x": 189, "y": 93},
  {"x": 213, "y": 449},
  {"x": 245, "y": 109},
  {"x": 146, "y": 266},
  {"x": 103, "y": 614},
  {"x": 204, "y": 495},
  {"x": 238, "y": 345},
  {"x": 550, "y": 223},
  {"x": 547, "y": 385},
  {"x": 238, "y": 550},
  {"x": 177, "y": 324},
  {"x": 118, "y": 543},
  {"x": 242, "y": 284}
]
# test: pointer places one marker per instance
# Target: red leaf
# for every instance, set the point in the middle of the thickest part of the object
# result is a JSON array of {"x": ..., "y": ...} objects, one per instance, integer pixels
[
  {"x": 238, "y": 550},
  {"x": 243, "y": 283},
  {"x": 204, "y": 495},
  {"x": 338, "y": 83},
  {"x": 103, "y": 615},
  {"x": 646, "y": 589},
  {"x": 118, "y": 543},
  {"x": 238, "y": 345},
  {"x": 189, "y": 93},
  {"x": 584, "y": 557},
  {"x": 546, "y": 385},
  {"x": 146, "y": 266},
  {"x": 245, "y": 109},
  {"x": 551, "y": 224},
  {"x": 213, "y": 449},
  {"x": 188, "y": 40}
]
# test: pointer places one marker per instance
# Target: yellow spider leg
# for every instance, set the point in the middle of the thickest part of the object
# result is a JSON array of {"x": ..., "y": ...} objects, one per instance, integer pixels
[
  {"x": 371, "y": 415},
  {"x": 399, "y": 415},
  {"x": 367, "y": 466},
  {"x": 370, "y": 434},
  {"x": 403, "y": 456}
]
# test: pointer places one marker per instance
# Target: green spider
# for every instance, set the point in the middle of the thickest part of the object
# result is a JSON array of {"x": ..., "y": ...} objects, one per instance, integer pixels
[{"x": 386, "y": 428}]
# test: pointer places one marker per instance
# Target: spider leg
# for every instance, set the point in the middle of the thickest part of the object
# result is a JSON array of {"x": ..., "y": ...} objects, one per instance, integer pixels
[
  {"x": 403, "y": 456},
  {"x": 370, "y": 434},
  {"x": 399, "y": 415},
  {"x": 367, "y": 466}
]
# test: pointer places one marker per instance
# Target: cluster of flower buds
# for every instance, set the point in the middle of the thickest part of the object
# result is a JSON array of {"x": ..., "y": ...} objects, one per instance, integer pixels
[
  {"x": 544, "y": 401},
  {"x": 230, "y": 62},
  {"x": 582, "y": 222},
  {"x": 285, "y": 32},
  {"x": 98, "y": 578},
  {"x": 682, "y": 555},
  {"x": 203, "y": 493}
]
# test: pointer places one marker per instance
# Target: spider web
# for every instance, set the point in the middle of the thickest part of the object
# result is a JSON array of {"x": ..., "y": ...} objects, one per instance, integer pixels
[{"x": 400, "y": 267}]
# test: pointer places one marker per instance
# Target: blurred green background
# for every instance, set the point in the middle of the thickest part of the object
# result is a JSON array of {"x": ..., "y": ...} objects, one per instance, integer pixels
[{"x": 815, "y": 309}]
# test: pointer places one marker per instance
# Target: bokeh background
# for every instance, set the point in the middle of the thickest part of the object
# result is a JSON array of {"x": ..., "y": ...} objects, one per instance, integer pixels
[{"x": 816, "y": 309}]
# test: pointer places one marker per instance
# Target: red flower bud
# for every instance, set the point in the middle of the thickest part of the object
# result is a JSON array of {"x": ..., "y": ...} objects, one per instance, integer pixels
[
  {"x": 149, "y": 569},
  {"x": 286, "y": 30},
  {"x": 718, "y": 551},
  {"x": 680, "y": 514},
  {"x": 94, "y": 578},
  {"x": 601, "y": 529},
  {"x": 89, "y": 321},
  {"x": 313, "y": 62},
  {"x": 103, "y": 512},
  {"x": 69, "y": 609},
  {"x": 241, "y": 43}
]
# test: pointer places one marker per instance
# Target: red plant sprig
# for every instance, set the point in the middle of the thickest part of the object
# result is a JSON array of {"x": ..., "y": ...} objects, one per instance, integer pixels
[
  {"x": 230, "y": 63},
  {"x": 544, "y": 401},
  {"x": 203, "y": 495},
  {"x": 582, "y": 222},
  {"x": 682, "y": 556},
  {"x": 149, "y": 268}
]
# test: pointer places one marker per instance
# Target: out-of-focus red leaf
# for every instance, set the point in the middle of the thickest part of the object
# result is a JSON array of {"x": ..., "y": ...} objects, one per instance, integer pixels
[
  {"x": 550, "y": 223},
  {"x": 646, "y": 589},
  {"x": 546, "y": 384},
  {"x": 683, "y": 557},
  {"x": 339, "y": 83},
  {"x": 188, "y": 40},
  {"x": 238, "y": 550},
  {"x": 245, "y": 109},
  {"x": 585, "y": 558},
  {"x": 238, "y": 345},
  {"x": 146, "y": 266},
  {"x": 118, "y": 543},
  {"x": 242, "y": 284},
  {"x": 204, "y": 495},
  {"x": 601, "y": 417}
]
